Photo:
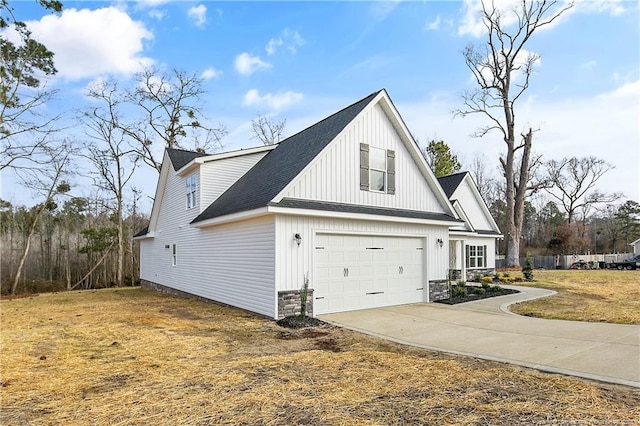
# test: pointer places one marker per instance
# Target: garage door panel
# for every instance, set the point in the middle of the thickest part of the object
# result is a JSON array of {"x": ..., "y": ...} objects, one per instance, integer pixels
[{"x": 366, "y": 272}]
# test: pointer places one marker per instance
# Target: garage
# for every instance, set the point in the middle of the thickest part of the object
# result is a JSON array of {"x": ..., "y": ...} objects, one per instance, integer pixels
[{"x": 367, "y": 271}]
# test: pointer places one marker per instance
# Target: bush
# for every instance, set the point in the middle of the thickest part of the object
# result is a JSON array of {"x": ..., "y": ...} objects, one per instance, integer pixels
[
  {"x": 486, "y": 281},
  {"x": 477, "y": 277},
  {"x": 527, "y": 269},
  {"x": 459, "y": 290}
]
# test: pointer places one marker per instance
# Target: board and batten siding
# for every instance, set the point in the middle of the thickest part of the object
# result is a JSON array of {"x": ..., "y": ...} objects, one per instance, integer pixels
[
  {"x": 293, "y": 262},
  {"x": 334, "y": 175},
  {"x": 231, "y": 263},
  {"x": 472, "y": 208},
  {"x": 218, "y": 175}
]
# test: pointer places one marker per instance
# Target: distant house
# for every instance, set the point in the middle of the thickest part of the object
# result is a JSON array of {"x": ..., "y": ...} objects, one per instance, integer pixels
[
  {"x": 349, "y": 203},
  {"x": 472, "y": 244},
  {"x": 636, "y": 246}
]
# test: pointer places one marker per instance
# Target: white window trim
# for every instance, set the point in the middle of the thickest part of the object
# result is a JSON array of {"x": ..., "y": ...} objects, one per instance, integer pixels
[{"x": 476, "y": 257}]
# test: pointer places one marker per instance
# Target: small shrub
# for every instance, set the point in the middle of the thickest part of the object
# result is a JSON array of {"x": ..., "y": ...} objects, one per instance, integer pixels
[
  {"x": 480, "y": 290},
  {"x": 459, "y": 290},
  {"x": 505, "y": 274},
  {"x": 495, "y": 289},
  {"x": 527, "y": 269},
  {"x": 518, "y": 279},
  {"x": 477, "y": 277},
  {"x": 486, "y": 282}
]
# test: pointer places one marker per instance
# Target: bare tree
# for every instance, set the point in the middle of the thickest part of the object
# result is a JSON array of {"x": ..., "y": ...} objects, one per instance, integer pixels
[
  {"x": 572, "y": 179},
  {"x": 113, "y": 159},
  {"x": 488, "y": 186},
  {"x": 502, "y": 69},
  {"x": 47, "y": 182},
  {"x": 266, "y": 130},
  {"x": 170, "y": 110},
  {"x": 24, "y": 129}
]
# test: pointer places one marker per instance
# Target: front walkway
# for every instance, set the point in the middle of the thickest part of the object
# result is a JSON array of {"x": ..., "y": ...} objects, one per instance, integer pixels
[{"x": 486, "y": 329}]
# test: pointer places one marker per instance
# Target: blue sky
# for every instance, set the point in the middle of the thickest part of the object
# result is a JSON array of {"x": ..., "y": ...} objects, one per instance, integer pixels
[{"x": 305, "y": 60}]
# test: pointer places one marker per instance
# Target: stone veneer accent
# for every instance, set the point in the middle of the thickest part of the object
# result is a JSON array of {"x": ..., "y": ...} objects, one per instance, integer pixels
[
  {"x": 471, "y": 273},
  {"x": 289, "y": 303},
  {"x": 438, "y": 290}
]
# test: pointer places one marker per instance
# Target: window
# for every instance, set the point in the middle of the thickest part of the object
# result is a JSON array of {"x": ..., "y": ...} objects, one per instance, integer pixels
[
  {"x": 192, "y": 201},
  {"x": 377, "y": 169},
  {"x": 476, "y": 256},
  {"x": 174, "y": 254}
]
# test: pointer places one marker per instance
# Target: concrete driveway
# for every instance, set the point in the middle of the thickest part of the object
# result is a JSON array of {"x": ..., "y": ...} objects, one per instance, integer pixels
[{"x": 486, "y": 329}]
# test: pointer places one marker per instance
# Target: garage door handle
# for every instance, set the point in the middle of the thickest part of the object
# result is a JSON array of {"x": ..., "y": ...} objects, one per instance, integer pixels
[
  {"x": 400, "y": 270},
  {"x": 376, "y": 292},
  {"x": 345, "y": 272},
  {"x": 318, "y": 298}
]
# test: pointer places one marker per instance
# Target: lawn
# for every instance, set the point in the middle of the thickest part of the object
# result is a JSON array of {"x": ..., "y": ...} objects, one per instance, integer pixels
[
  {"x": 593, "y": 295},
  {"x": 133, "y": 357}
]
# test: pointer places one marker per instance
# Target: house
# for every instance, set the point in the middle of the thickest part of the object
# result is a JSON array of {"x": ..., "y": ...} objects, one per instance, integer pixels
[
  {"x": 636, "y": 246},
  {"x": 472, "y": 244},
  {"x": 348, "y": 204}
]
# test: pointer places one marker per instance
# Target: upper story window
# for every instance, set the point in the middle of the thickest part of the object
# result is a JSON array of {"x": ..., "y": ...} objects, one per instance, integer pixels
[
  {"x": 192, "y": 201},
  {"x": 377, "y": 169}
]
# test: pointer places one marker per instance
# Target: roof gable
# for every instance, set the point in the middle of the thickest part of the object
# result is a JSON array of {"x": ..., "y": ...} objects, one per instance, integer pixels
[
  {"x": 461, "y": 189},
  {"x": 180, "y": 158},
  {"x": 270, "y": 175},
  {"x": 451, "y": 182}
]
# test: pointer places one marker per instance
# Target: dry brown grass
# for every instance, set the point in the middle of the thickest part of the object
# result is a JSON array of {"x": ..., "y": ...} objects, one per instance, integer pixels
[
  {"x": 597, "y": 296},
  {"x": 131, "y": 357}
]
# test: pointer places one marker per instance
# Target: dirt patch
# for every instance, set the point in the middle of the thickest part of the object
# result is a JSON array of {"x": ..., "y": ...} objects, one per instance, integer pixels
[{"x": 299, "y": 322}]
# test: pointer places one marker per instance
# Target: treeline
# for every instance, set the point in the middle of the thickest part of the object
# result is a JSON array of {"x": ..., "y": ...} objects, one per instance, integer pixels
[
  {"x": 548, "y": 231},
  {"x": 73, "y": 245}
]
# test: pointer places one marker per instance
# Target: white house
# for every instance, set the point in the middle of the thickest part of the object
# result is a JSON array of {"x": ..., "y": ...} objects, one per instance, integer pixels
[
  {"x": 472, "y": 244},
  {"x": 349, "y": 203},
  {"x": 636, "y": 246}
]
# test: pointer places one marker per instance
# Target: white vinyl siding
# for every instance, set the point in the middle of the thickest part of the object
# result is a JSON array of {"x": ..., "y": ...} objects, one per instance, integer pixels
[
  {"x": 217, "y": 176},
  {"x": 232, "y": 263},
  {"x": 334, "y": 175},
  {"x": 293, "y": 262}
]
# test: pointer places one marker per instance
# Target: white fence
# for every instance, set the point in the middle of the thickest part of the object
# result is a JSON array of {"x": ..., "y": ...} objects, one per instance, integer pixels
[{"x": 565, "y": 261}]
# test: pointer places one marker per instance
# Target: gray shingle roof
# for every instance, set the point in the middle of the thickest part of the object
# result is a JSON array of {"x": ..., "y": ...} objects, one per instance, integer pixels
[
  {"x": 295, "y": 203},
  {"x": 142, "y": 232},
  {"x": 180, "y": 157},
  {"x": 451, "y": 182},
  {"x": 274, "y": 171}
]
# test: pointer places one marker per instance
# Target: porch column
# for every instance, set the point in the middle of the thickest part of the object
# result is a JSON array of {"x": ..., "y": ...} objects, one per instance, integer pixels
[{"x": 463, "y": 261}]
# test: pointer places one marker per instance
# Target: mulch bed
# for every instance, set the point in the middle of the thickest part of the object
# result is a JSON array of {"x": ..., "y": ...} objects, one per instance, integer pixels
[
  {"x": 299, "y": 322},
  {"x": 472, "y": 295}
]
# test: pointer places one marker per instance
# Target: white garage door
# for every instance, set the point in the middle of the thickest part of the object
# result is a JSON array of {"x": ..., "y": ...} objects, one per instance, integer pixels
[{"x": 361, "y": 271}]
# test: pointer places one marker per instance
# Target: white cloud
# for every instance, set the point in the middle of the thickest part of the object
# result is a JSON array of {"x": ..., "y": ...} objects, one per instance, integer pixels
[
  {"x": 198, "y": 14},
  {"x": 292, "y": 40},
  {"x": 211, "y": 73},
  {"x": 433, "y": 25},
  {"x": 273, "y": 44},
  {"x": 158, "y": 14},
  {"x": 614, "y": 7},
  {"x": 247, "y": 64},
  {"x": 88, "y": 43},
  {"x": 275, "y": 102},
  {"x": 588, "y": 65}
]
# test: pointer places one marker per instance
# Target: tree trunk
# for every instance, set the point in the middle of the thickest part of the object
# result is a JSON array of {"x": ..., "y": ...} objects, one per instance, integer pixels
[{"x": 27, "y": 246}]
